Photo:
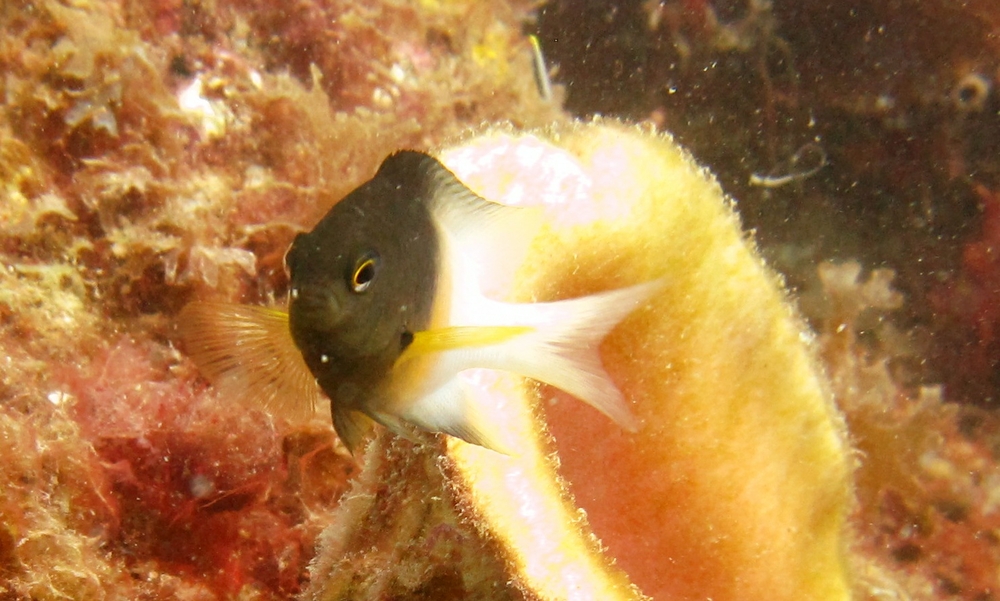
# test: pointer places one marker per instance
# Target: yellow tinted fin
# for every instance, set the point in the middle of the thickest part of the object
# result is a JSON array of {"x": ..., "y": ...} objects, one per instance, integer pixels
[
  {"x": 460, "y": 337},
  {"x": 247, "y": 353}
]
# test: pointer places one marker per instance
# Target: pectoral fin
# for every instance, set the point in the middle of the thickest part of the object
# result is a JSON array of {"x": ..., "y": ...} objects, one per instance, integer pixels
[
  {"x": 248, "y": 353},
  {"x": 351, "y": 427}
]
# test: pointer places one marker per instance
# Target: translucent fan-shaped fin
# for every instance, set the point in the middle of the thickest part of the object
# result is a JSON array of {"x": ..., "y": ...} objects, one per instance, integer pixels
[{"x": 248, "y": 354}]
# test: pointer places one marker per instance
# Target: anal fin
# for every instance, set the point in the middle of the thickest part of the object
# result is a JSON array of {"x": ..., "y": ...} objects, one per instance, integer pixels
[{"x": 452, "y": 410}]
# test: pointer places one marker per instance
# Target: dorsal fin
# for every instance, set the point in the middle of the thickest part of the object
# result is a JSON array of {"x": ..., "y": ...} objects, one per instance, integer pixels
[{"x": 490, "y": 235}]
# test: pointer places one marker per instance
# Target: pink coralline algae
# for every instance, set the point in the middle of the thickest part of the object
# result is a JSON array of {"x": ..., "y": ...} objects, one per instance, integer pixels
[{"x": 969, "y": 302}]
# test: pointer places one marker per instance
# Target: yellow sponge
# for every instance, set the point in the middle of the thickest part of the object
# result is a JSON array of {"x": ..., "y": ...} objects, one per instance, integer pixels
[{"x": 737, "y": 485}]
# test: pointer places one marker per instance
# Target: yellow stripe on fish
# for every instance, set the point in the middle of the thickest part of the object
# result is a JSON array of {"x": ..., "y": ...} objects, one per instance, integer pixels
[{"x": 458, "y": 337}]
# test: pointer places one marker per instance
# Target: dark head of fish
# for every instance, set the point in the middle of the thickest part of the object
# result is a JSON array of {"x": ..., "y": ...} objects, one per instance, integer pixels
[{"x": 363, "y": 280}]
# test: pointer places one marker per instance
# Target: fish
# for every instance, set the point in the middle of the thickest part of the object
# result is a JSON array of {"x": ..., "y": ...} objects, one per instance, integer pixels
[{"x": 386, "y": 309}]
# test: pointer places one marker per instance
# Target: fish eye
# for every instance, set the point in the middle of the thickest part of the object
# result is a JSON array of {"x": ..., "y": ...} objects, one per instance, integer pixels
[{"x": 364, "y": 273}]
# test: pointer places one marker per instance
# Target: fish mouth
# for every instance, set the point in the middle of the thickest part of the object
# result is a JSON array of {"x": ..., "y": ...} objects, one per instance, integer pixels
[{"x": 314, "y": 309}]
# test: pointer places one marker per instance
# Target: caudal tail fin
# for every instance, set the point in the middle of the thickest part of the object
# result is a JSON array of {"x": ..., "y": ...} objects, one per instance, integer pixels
[
  {"x": 562, "y": 349},
  {"x": 556, "y": 343}
]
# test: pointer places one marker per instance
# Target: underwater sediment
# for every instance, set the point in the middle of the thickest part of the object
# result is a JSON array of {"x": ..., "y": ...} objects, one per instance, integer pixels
[{"x": 153, "y": 153}]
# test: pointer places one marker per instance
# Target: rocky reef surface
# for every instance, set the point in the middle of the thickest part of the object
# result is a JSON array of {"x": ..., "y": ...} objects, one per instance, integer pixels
[{"x": 155, "y": 152}]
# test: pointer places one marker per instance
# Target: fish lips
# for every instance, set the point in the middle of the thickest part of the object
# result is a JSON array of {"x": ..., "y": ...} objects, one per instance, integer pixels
[{"x": 315, "y": 308}]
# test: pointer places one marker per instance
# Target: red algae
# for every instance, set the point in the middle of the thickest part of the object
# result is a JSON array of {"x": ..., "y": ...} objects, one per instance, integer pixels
[
  {"x": 927, "y": 478},
  {"x": 154, "y": 152},
  {"x": 189, "y": 487},
  {"x": 969, "y": 302}
]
